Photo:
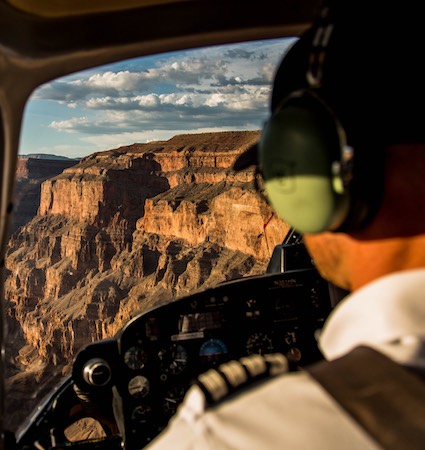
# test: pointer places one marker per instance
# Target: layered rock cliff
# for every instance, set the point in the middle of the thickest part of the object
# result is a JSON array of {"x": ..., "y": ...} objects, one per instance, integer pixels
[
  {"x": 31, "y": 171},
  {"x": 125, "y": 229}
]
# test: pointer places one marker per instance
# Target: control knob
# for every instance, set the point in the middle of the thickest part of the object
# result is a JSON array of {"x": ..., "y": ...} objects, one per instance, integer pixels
[{"x": 96, "y": 372}]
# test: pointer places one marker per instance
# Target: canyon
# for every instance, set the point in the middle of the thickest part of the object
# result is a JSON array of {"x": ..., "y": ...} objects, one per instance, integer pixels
[
  {"x": 31, "y": 171},
  {"x": 117, "y": 233}
]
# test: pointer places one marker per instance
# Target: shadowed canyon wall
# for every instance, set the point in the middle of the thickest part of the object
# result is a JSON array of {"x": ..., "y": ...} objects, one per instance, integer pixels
[
  {"x": 122, "y": 231},
  {"x": 30, "y": 173}
]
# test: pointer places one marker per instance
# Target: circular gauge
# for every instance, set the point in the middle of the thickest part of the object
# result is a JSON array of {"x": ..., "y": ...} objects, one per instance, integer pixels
[
  {"x": 294, "y": 354},
  {"x": 135, "y": 358},
  {"x": 212, "y": 351},
  {"x": 138, "y": 387},
  {"x": 259, "y": 343},
  {"x": 141, "y": 413},
  {"x": 173, "y": 359},
  {"x": 172, "y": 400}
]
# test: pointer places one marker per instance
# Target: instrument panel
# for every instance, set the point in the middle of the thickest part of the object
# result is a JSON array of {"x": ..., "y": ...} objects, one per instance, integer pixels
[{"x": 155, "y": 358}]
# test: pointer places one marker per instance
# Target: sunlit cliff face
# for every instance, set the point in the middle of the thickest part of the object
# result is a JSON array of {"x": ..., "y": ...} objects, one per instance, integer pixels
[{"x": 125, "y": 229}]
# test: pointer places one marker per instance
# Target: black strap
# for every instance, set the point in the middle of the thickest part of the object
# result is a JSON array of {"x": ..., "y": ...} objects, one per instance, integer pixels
[{"x": 387, "y": 400}]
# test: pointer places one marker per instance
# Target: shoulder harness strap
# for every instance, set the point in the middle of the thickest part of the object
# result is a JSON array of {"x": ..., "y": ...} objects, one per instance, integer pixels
[
  {"x": 387, "y": 400},
  {"x": 230, "y": 378}
]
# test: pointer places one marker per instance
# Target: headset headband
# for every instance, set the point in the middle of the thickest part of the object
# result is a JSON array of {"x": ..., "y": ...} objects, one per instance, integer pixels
[{"x": 319, "y": 46}]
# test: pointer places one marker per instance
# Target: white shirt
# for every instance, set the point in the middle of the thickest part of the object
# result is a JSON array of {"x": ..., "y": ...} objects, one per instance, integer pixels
[{"x": 292, "y": 411}]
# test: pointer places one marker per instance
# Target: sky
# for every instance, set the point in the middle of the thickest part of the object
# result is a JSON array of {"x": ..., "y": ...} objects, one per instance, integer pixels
[{"x": 153, "y": 98}]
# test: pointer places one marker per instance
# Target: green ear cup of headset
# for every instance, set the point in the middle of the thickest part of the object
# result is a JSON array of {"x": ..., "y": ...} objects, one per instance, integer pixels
[{"x": 299, "y": 154}]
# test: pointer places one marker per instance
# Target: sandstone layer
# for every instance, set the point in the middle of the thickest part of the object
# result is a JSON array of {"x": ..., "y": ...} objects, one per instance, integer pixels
[
  {"x": 30, "y": 173},
  {"x": 124, "y": 230}
]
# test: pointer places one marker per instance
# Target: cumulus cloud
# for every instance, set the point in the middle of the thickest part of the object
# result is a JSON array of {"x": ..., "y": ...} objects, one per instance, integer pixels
[
  {"x": 117, "y": 81},
  {"x": 71, "y": 125},
  {"x": 215, "y": 88}
]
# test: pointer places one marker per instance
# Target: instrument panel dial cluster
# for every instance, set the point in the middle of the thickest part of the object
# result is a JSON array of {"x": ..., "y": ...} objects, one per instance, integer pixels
[{"x": 161, "y": 352}]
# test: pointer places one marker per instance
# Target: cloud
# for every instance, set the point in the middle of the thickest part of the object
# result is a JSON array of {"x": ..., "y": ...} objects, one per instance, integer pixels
[
  {"x": 116, "y": 81},
  {"x": 215, "y": 88},
  {"x": 176, "y": 73},
  {"x": 71, "y": 125},
  {"x": 239, "y": 53},
  {"x": 170, "y": 111},
  {"x": 196, "y": 70}
]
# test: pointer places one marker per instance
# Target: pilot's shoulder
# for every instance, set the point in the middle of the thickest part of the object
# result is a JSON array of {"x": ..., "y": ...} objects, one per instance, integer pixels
[{"x": 232, "y": 378}]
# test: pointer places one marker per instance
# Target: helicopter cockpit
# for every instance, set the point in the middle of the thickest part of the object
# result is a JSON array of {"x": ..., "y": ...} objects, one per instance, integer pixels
[{"x": 131, "y": 383}]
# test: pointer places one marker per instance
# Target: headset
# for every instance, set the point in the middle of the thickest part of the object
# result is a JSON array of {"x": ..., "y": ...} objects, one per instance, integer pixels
[{"x": 314, "y": 179}]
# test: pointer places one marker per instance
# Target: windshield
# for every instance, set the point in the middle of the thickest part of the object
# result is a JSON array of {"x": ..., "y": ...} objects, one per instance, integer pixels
[{"x": 126, "y": 198}]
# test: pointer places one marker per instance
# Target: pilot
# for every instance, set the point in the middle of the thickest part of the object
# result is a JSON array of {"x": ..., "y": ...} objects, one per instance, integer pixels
[{"x": 343, "y": 161}]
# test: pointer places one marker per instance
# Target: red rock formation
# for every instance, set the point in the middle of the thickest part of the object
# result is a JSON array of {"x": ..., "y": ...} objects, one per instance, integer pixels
[
  {"x": 30, "y": 173},
  {"x": 127, "y": 228}
]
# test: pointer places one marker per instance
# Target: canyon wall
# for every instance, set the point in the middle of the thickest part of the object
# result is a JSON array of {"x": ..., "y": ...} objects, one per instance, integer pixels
[
  {"x": 30, "y": 173},
  {"x": 124, "y": 230}
]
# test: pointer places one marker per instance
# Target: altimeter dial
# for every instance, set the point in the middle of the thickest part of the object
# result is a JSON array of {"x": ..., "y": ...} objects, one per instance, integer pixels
[
  {"x": 259, "y": 343},
  {"x": 173, "y": 359}
]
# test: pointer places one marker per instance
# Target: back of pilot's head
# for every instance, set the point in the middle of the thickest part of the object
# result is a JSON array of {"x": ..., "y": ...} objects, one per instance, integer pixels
[{"x": 349, "y": 87}]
